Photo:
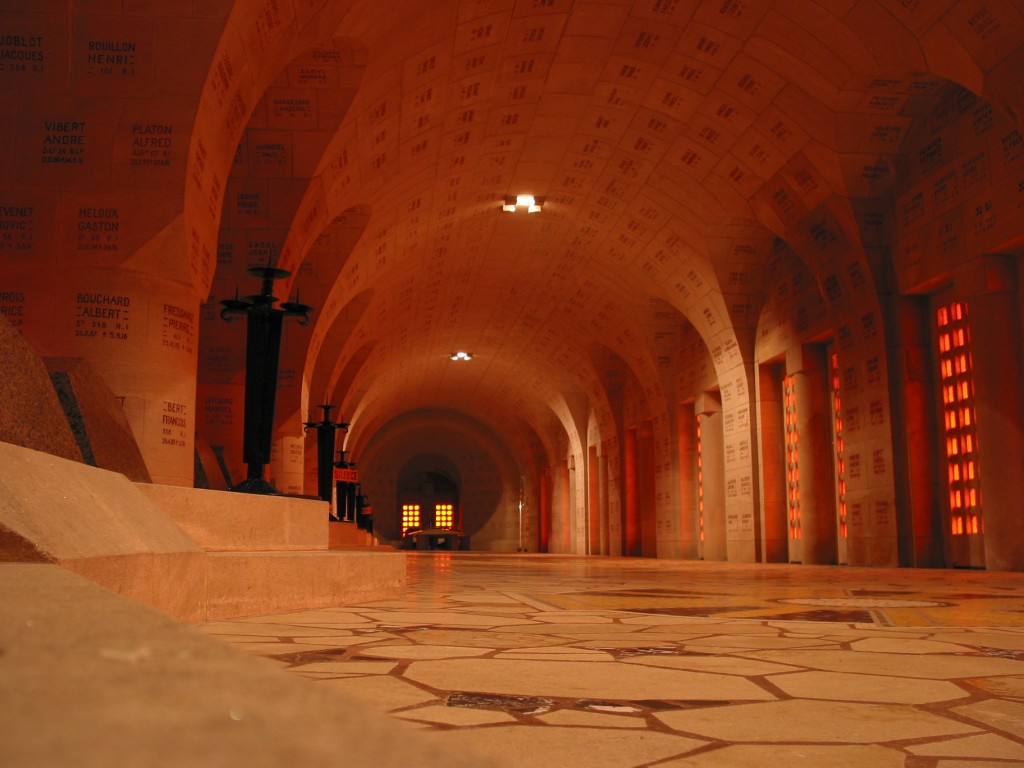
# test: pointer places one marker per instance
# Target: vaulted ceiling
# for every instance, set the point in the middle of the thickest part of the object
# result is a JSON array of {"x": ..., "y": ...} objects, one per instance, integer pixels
[{"x": 678, "y": 146}]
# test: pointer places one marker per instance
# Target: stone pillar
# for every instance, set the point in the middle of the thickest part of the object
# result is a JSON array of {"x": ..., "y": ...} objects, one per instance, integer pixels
[
  {"x": 689, "y": 543},
  {"x": 709, "y": 408},
  {"x": 816, "y": 457},
  {"x": 772, "y": 442},
  {"x": 593, "y": 503},
  {"x": 999, "y": 402},
  {"x": 918, "y": 443},
  {"x": 646, "y": 490},
  {"x": 602, "y": 502},
  {"x": 631, "y": 503}
]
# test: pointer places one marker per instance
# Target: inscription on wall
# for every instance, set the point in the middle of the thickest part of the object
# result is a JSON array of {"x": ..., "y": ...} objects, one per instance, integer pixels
[
  {"x": 16, "y": 227},
  {"x": 63, "y": 142},
  {"x": 291, "y": 108},
  {"x": 219, "y": 411},
  {"x": 174, "y": 424},
  {"x": 98, "y": 229},
  {"x": 261, "y": 252},
  {"x": 151, "y": 144},
  {"x": 102, "y": 316},
  {"x": 178, "y": 329},
  {"x": 110, "y": 57},
  {"x": 270, "y": 156},
  {"x": 21, "y": 53},
  {"x": 12, "y": 307}
]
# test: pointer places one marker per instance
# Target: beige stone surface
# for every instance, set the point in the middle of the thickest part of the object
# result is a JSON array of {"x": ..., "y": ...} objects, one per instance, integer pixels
[
  {"x": 257, "y": 628},
  {"x": 751, "y": 641},
  {"x": 1006, "y": 715},
  {"x": 246, "y": 583},
  {"x": 410, "y": 652},
  {"x": 70, "y": 511},
  {"x": 812, "y": 721},
  {"x": 849, "y": 687},
  {"x": 237, "y": 522},
  {"x": 285, "y": 648},
  {"x": 557, "y": 747},
  {"x": 378, "y": 694},
  {"x": 985, "y": 745},
  {"x": 556, "y": 653},
  {"x": 174, "y": 582},
  {"x": 591, "y": 719},
  {"x": 453, "y": 619},
  {"x": 649, "y": 680},
  {"x": 343, "y": 535},
  {"x": 881, "y": 645},
  {"x": 602, "y": 680},
  {"x": 337, "y": 616},
  {"x": 726, "y": 665},
  {"x": 456, "y": 716},
  {"x": 934, "y": 666},
  {"x": 348, "y": 667},
  {"x": 749, "y": 756},
  {"x": 1011, "y": 685},
  {"x": 94, "y": 680},
  {"x": 498, "y": 638},
  {"x": 100, "y": 525},
  {"x": 1013, "y": 641}
]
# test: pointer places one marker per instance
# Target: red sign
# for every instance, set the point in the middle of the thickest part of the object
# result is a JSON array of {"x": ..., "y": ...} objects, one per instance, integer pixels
[{"x": 346, "y": 475}]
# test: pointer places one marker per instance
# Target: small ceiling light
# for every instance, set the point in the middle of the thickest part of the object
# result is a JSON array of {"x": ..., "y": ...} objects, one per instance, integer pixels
[
  {"x": 529, "y": 202},
  {"x": 461, "y": 356}
]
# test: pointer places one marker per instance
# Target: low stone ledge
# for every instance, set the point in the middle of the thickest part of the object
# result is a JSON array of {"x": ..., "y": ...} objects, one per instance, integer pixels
[
  {"x": 221, "y": 521},
  {"x": 252, "y": 583}
]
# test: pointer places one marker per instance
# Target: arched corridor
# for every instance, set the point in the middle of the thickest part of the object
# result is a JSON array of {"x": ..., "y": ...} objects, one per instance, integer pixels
[{"x": 767, "y": 307}]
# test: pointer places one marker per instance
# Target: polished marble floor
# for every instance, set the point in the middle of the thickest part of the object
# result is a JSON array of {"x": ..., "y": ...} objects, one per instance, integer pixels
[{"x": 538, "y": 661}]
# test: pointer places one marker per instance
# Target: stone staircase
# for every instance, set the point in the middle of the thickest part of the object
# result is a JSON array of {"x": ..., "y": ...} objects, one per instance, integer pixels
[
  {"x": 195, "y": 554},
  {"x": 271, "y": 553}
]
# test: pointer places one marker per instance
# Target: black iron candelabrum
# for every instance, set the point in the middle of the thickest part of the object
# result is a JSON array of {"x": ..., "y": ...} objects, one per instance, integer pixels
[
  {"x": 262, "y": 354},
  {"x": 325, "y": 438}
]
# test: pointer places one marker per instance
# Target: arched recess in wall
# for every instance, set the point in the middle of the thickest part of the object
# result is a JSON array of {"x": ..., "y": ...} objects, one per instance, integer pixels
[
  {"x": 489, "y": 477},
  {"x": 717, "y": 307},
  {"x": 428, "y": 493},
  {"x": 957, "y": 272}
]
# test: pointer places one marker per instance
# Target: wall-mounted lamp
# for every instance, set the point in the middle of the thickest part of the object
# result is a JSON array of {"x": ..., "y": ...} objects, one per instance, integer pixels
[
  {"x": 529, "y": 202},
  {"x": 460, "y": 357}
]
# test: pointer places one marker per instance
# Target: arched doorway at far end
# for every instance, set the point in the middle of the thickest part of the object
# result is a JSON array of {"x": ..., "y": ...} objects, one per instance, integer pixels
[{"x": 429, "y": 511}]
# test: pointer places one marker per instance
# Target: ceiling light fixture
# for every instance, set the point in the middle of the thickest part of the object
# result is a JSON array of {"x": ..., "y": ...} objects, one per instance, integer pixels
[
  {"x": 461, "y": 356},
  {"x": 529, "y": 202}
]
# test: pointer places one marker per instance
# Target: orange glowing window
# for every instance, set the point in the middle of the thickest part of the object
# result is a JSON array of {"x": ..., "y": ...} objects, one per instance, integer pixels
[
  {"x": 410, "y": 516},
  {"x": 957, "y": 382},
  {"x": 792, "y": 455},
  {"x": 444, "y": 515},
  {"x": 700, "y": 484}
]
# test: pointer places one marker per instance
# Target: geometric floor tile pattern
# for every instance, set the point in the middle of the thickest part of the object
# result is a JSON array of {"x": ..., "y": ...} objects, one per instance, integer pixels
[{"x": 623, "y": 663}]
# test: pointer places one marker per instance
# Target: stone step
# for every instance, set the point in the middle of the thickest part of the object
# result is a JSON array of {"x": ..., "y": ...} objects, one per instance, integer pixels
[
  {"x": 222, "y": 521},
  {"x": 123, "y": 536},
  {"x": 342, "y": 535},
  {"x": 252, "y": 583}
]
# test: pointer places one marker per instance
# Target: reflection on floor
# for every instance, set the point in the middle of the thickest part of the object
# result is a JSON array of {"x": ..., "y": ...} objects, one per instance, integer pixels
[{"x": 555, "y": 661}]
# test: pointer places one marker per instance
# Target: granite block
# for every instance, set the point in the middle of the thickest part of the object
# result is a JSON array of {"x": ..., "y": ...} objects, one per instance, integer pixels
[
  {"x": 30, "y": 413},
  {"x": 96, "y": 418}
]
